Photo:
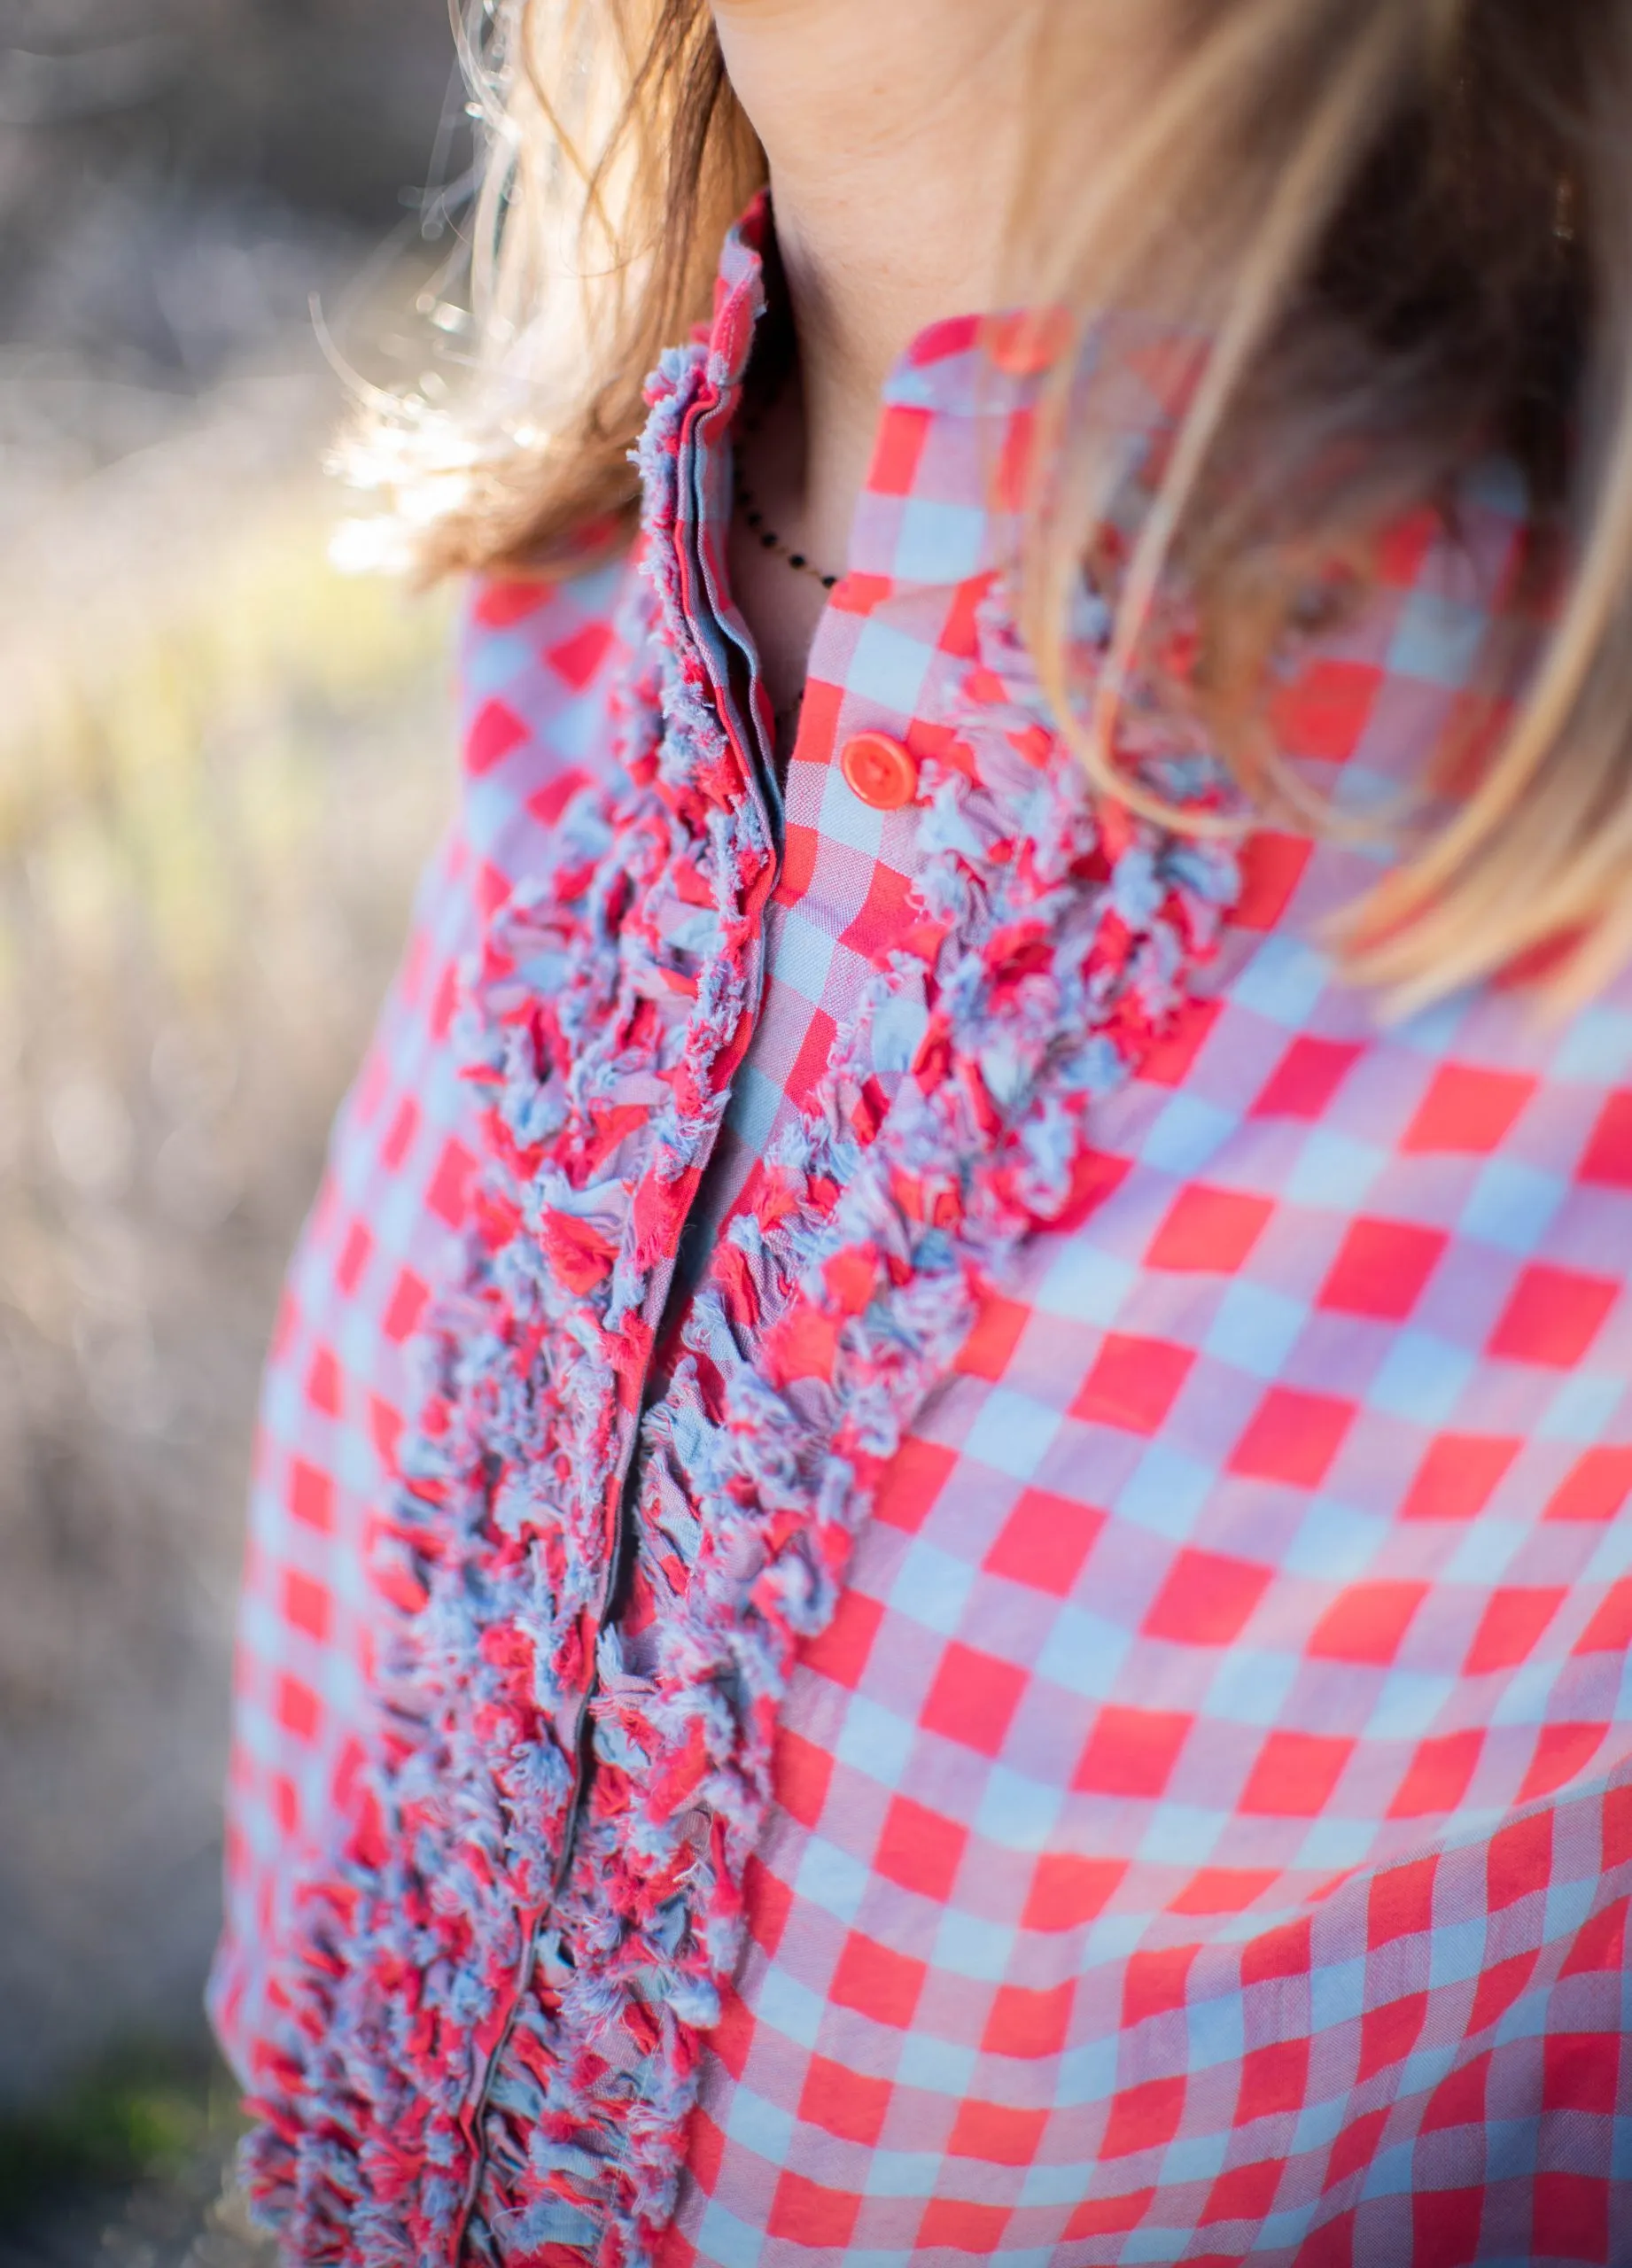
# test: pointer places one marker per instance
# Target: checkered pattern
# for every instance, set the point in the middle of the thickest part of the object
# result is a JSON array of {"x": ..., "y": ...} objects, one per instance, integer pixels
[{"x": 1206, "y": 1829}]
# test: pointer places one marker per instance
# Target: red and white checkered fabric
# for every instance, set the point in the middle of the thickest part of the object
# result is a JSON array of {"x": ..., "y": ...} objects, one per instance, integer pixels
[{"x": 1204, "y": 1833}]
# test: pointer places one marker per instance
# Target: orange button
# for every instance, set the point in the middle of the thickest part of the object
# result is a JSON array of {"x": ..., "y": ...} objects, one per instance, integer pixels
[{"x": 880, "y": 770}]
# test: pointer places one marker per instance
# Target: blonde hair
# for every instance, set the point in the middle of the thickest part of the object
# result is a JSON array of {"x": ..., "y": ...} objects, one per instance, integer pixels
[{"x": 1403, "y": 228}]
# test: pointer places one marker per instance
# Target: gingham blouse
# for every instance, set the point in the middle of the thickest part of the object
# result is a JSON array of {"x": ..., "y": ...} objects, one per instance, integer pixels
[{"x": 939, "y": 1563}]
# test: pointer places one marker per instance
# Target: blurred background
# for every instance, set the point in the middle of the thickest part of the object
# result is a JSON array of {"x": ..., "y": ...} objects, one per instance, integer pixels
[{"x": 220, "y": 763}]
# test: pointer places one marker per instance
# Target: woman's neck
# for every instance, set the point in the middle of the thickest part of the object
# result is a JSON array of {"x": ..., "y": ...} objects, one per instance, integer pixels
[{"x": 893, "y": 130}]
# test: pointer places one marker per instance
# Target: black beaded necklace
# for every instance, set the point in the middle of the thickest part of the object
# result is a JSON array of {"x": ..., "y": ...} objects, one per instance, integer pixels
[{"x": 753, "y": 517}]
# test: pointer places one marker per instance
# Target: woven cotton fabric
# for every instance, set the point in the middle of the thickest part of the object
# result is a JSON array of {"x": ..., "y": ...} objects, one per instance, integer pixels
[{"x": 1066, "y": 1702}]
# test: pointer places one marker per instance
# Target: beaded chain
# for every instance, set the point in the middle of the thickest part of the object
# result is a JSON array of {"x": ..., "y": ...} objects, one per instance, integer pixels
[{"x": 754, "y": 517}]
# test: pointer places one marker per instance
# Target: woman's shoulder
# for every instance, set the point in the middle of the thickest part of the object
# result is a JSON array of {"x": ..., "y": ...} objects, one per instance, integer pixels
[{"x": 538, "y": 665}]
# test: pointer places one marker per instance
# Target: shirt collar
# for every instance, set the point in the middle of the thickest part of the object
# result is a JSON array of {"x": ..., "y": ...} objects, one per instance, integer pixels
[{"x": 963, "y": 391}]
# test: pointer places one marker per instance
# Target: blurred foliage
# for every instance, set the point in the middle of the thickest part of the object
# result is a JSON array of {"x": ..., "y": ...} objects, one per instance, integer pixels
[
  {"x": 131, "y": 2168},
  {"x": 328, "y": 106},
  {"x": 138, "y": 2116}
]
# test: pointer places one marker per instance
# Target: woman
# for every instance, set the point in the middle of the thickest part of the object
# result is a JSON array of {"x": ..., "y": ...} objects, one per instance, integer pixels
[{"x": 985, "y": 1382}]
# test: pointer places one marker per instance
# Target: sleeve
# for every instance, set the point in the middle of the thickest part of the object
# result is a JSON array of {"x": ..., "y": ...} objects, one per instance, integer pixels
[{"x": 339, "y": 1387}]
